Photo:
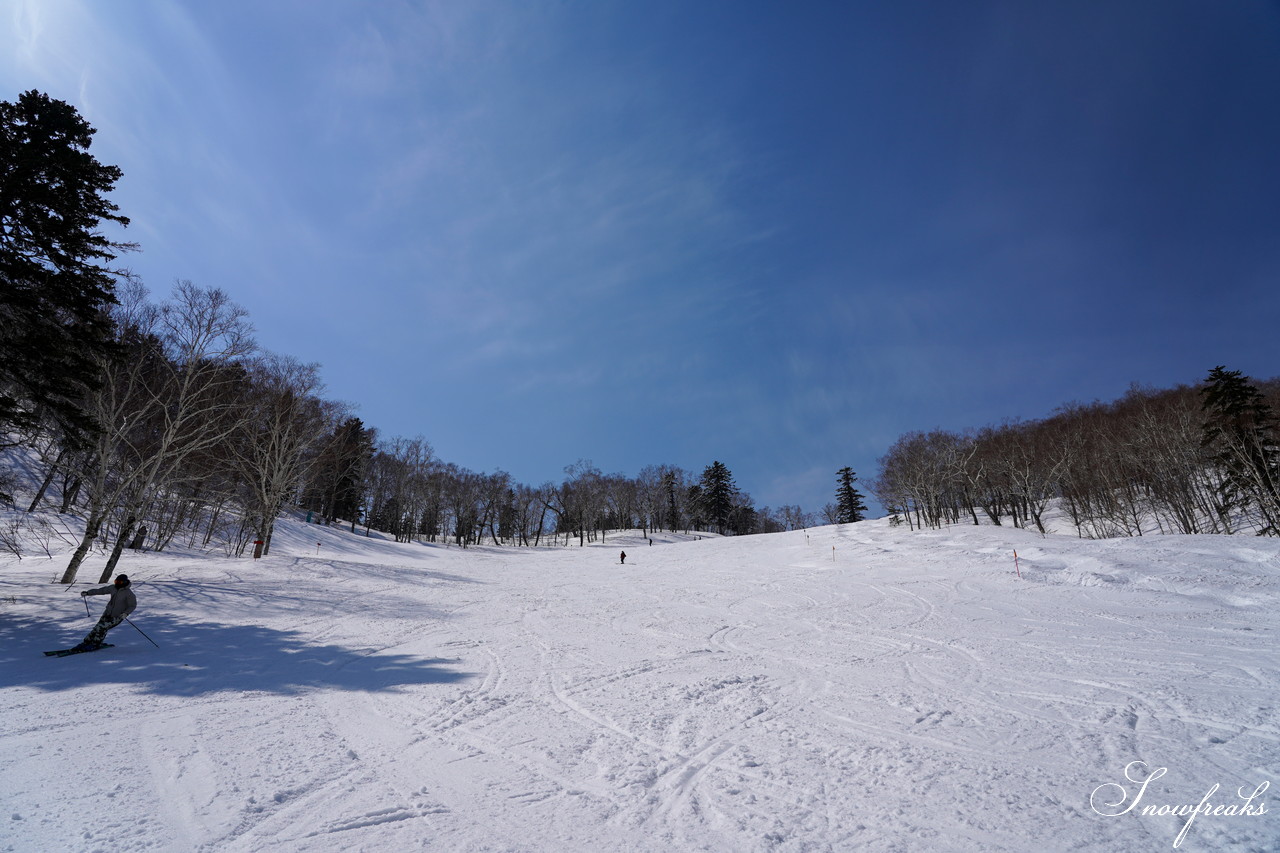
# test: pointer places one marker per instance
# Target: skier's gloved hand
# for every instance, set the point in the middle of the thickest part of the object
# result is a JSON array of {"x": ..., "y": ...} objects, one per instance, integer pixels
[{"x": 84, "y": 593}]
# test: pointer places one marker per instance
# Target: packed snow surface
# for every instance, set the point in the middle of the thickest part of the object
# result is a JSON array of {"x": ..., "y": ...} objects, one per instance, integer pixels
[{"x": 846, "y": 688}]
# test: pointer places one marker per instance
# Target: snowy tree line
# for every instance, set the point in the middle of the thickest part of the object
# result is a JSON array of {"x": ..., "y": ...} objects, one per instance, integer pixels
[
  {"x": 400, "y": 487},
  {"x": 201, "y": 438},
  {"x": 1200, "y": 459}
]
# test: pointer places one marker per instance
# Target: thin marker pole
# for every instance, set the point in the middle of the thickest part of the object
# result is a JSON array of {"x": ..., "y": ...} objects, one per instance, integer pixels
[{"x": 1016, "y": 566}]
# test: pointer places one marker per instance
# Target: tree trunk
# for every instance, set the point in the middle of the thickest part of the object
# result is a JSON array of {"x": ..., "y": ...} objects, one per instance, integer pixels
[
  {"x": 213, "y": 521},
  {"x": 48, "y": 478},
  {"x": 90, "y": 533},
  {"x": 69, "y": 495},
  {"x": 125, "y": 532}
]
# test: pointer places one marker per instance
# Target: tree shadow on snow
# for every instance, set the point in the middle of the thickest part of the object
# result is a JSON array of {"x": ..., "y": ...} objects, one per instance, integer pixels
[
  {"x": 236, "y": 595},
  {"x": 201, "y": 658}
]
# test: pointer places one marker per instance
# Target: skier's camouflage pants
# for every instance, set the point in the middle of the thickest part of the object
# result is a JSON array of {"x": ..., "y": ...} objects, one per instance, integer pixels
[{"x": 105, "y": 624}]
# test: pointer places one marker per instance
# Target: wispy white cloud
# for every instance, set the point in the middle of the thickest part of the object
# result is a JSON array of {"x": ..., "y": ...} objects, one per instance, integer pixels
[{"x": 522, "y": 217}]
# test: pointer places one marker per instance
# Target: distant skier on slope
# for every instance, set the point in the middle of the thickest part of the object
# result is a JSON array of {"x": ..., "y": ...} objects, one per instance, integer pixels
[
  {"x": 624, "y": 558},
  {"x": 122, "y": 603}
]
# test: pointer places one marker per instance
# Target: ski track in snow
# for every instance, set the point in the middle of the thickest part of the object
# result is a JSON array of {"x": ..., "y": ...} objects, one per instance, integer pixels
[{"x": 904, "y": 691}]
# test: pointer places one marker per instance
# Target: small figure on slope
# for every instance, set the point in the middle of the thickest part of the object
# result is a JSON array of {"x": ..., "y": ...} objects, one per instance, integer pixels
[
  {"x": 121, "y": 605},
  {"x": 624, "y": 558}
]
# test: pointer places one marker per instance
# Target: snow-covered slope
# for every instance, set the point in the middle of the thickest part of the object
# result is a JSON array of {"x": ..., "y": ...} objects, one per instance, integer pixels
[{"x": 854, "y": 688}]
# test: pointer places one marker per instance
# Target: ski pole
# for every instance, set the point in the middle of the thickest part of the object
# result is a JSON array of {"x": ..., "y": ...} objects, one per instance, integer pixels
[
  {"x": 142, "y": 632},
  {"x": 86, "y": 607}
]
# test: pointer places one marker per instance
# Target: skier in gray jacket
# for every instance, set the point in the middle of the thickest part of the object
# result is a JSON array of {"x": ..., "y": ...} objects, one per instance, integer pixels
[{"x": 122, "y": 603}]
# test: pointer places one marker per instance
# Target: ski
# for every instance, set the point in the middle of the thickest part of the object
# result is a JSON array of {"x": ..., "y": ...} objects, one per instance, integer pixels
[{"x": 62, "y": 653}]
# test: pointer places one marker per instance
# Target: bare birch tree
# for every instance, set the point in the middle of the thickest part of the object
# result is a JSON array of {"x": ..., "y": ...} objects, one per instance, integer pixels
[
  {"x": 160, "y": 402},
  {"x": 278, "y": 441}
]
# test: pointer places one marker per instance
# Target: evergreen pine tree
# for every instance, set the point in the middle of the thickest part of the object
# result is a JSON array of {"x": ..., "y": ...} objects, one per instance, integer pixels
[
  {"x": 1240, "y": 435},
  {"x": 849, "y": 501},
  {"x": 54, "y": 287},
  {"x": 717, "y": 493},
  {"x": 354, "y": 452},
  {"x": 672, "y": 510}
]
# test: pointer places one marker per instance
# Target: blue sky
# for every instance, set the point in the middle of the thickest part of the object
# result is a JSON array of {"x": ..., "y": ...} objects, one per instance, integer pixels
[{"x": 776, "y": 235}]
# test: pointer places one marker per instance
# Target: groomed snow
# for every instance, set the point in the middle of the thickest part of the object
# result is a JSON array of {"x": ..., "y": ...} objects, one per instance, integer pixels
[{"x": 851, "y": 688}]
